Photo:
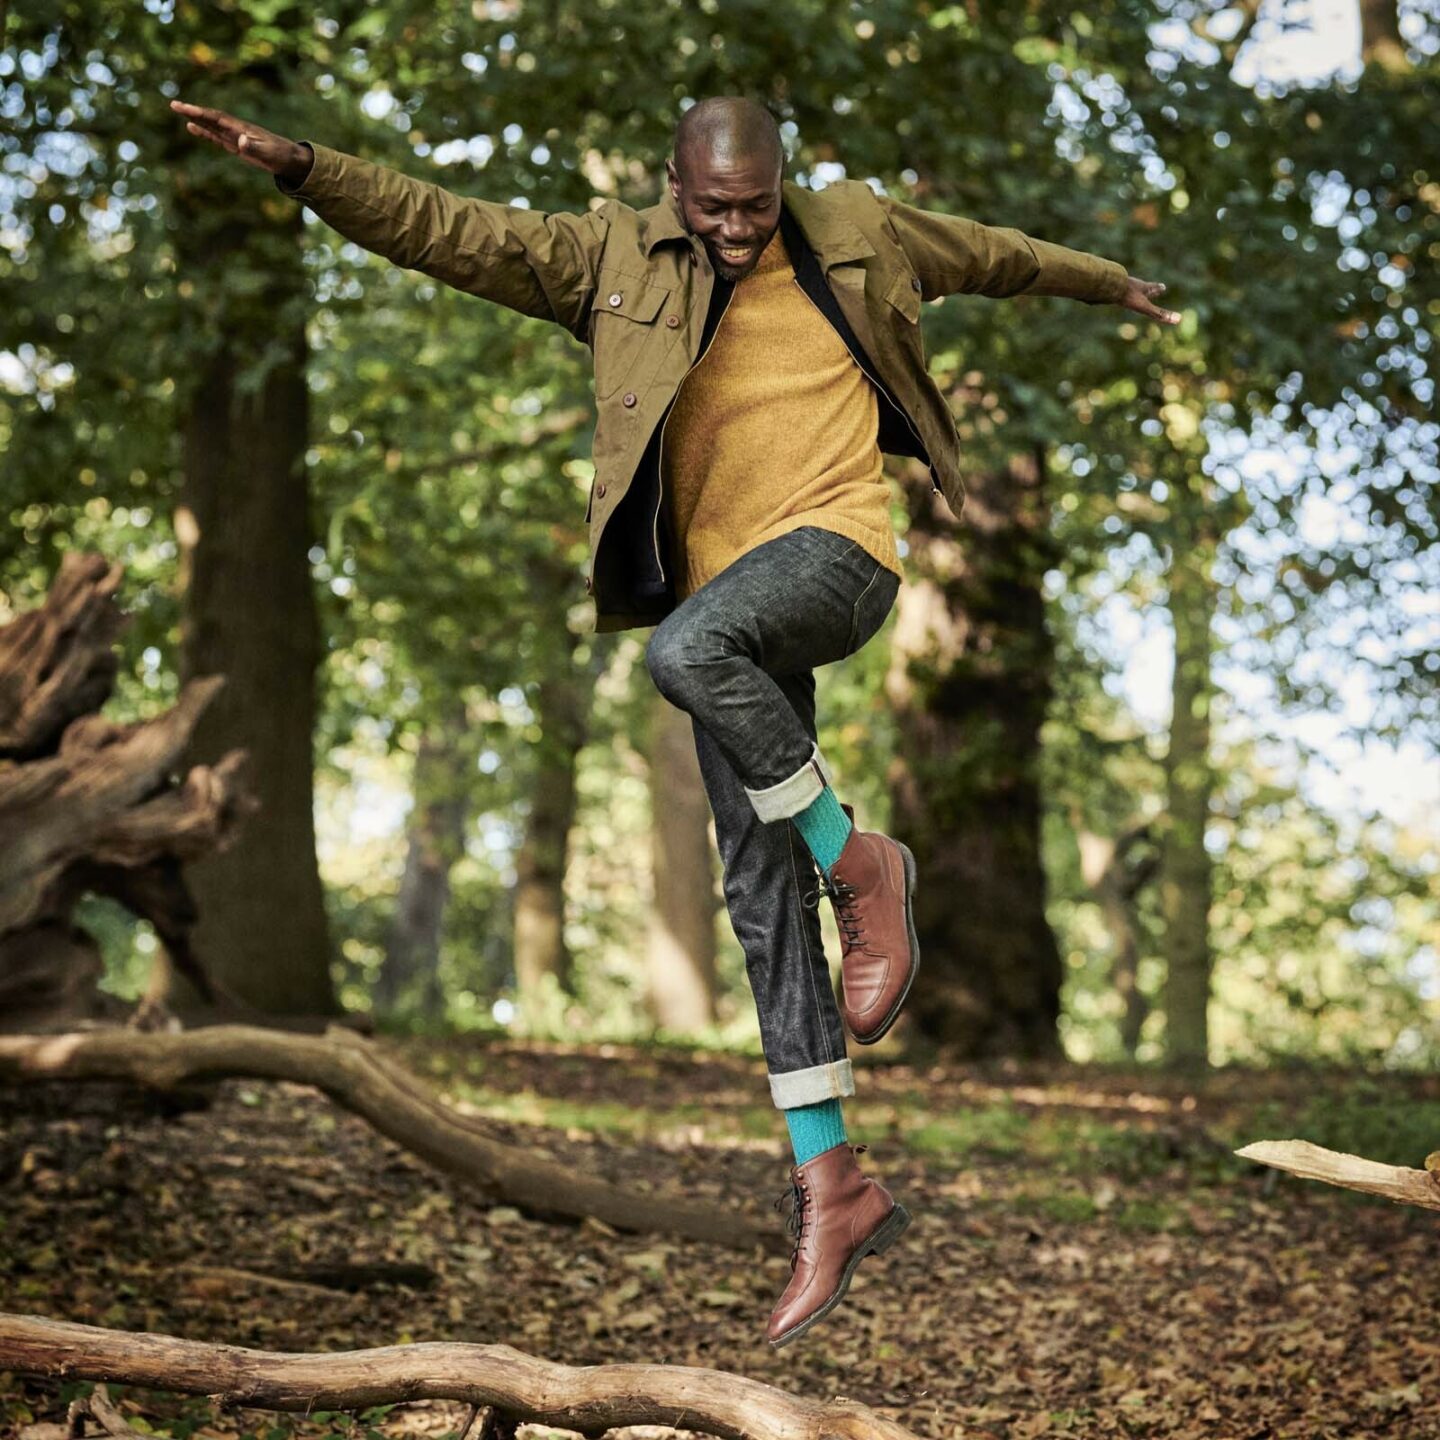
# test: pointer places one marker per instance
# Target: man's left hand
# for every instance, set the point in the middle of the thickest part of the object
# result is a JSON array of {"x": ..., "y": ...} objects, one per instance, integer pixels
[{"x": 1138, "y": 295}]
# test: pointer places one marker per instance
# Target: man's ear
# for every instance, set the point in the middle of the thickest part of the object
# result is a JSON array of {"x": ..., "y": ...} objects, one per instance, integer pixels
[{"x": 673, "y": 175}]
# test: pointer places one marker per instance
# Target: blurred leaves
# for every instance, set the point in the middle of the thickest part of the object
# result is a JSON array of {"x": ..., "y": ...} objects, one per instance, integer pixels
[{"x": 1291, "y": 413}]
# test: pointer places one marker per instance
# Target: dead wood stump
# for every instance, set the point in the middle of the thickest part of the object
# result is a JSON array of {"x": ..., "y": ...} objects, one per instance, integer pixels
[{"x": 88, "y": 806}]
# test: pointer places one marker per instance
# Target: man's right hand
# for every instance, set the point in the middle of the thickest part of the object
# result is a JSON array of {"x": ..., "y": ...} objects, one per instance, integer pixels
[{"x": 261, "y": 148}]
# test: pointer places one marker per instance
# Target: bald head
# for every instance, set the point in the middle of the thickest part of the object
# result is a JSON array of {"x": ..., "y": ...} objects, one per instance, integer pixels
[
  {"x": 730, "y": 129},
  {"x": 726, "y": 176}
]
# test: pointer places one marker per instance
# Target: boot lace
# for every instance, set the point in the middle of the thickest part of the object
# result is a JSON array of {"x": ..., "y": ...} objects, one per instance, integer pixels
[
  {"x": 842, "y": 896},
  {"x": 798, "y": 1196}
]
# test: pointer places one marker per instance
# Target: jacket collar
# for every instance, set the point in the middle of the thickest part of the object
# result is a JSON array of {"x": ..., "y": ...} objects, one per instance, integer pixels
[{"x": 818, "y": 213}]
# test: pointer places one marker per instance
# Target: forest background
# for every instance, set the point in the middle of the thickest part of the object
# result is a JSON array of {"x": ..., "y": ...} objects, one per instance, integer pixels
[
  {"x": 360, "y": 497},
  {"x": 1158, "y": 716}
]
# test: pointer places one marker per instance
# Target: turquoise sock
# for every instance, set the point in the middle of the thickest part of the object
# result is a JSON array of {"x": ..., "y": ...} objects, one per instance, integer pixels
[
  {"x": 815, "y": 1128},
  {"x": 825, "y": 827}
]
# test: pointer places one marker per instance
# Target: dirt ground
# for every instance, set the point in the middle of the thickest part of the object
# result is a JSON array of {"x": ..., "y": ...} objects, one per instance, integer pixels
[{"x": 1087, "y": 1257}]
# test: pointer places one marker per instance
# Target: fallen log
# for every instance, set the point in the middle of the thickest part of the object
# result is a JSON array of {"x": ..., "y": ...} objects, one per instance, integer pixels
[
  {"x": 1352, "y": 1172},
  {"x": 357, "y": 1076},
  {"x": 522, "y": 1388}
]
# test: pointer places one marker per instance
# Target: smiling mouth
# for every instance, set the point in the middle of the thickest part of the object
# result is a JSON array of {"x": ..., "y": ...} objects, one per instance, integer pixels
[{"x": 735, "y": 256}]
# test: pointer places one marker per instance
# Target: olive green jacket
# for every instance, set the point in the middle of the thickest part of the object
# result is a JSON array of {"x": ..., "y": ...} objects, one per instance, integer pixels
[{"x": 635, "y": 287}]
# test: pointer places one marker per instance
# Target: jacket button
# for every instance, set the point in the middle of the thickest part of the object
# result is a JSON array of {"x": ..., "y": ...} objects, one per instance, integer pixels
[
  {"x": 600, "y": 490},
  {"x": 914, "y": 282},
  {"x": 616, "y": 298},
  {"x": 630, "y": 398},
  {"x": 672, "y": 321}
]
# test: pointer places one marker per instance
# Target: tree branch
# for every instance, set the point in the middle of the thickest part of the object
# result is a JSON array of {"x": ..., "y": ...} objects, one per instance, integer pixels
[
  {"x": 1312, "y": 1162},
  {"x": 356, "y": 1075},
  {"x": 518, "y": 1387}
]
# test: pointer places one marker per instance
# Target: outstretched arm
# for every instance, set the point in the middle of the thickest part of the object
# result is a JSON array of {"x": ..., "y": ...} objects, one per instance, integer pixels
[
  {"x": 955, "y": 256},
  {"x": 539, "y": 264}
]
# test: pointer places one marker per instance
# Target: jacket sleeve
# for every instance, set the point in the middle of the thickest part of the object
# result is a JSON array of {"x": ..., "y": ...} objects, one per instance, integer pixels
[
  {"x": 955, "y": 256},
  {"x": 539, "y": 264}
]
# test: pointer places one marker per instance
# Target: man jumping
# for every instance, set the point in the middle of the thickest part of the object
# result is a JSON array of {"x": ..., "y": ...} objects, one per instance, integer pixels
[{"x": 739, "y": 506}]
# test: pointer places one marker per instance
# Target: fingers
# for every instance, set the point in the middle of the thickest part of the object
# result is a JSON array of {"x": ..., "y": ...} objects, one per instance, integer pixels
[
  {"x": 201, "y": 113},
  {"x": 1149, "y": 288},
  {"x": 201, "y": 120},
  {"x": 1170, "y": 317},
  {"x": 255, "y": 146},
  {"x": 216, "y": 137}
]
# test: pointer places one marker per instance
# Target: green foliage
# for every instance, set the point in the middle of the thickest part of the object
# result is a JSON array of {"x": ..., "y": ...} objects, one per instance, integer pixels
[{"x": 448, "y": 460}]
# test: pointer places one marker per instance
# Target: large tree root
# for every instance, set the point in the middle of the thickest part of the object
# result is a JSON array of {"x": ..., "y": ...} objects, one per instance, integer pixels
[
  {"x": 590, "y": 1399},
  {"x": 357, "y": 1076},
  {"x": 1313, "y": 1162}
]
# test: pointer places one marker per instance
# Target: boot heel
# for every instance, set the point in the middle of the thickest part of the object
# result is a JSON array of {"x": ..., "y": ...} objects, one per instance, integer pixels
[
  {"x": 911, "y": 873},
  {"x": 890, "y": 1231}
]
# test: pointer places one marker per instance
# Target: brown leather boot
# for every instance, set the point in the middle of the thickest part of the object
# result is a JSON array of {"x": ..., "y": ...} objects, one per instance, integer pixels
[
  {"x": 870, "y": 886},
  {"x": 838, "y": 1216}
]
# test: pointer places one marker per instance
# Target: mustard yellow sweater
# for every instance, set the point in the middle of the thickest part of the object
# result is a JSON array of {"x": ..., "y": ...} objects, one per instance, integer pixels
[{"x": 775, "y": 428}]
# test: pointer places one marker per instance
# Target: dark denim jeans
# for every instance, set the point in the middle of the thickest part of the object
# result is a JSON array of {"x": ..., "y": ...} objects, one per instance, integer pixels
[{"x": 739, "y": 657}]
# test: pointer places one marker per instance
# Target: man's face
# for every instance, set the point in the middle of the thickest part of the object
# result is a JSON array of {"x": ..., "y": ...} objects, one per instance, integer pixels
[{"x": 732, "y": 203}]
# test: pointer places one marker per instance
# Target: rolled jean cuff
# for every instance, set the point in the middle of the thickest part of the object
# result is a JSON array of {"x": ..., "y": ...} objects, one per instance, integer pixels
[
  {"x": 809, "y": 1087},
  {"x": 793, "y": 794}
]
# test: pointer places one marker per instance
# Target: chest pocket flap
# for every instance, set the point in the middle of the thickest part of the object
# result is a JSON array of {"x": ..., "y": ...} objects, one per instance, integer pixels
[
  {"x": 627, "y": 296},
  {"x": 626, "y": 345}
]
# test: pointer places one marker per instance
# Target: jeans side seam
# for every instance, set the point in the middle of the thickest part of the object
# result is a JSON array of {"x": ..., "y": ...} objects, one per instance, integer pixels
[{"x": 855, "y": 609}]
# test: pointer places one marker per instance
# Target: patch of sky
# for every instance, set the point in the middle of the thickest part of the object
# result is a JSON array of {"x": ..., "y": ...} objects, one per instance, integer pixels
[
  {"x": 477, "y": 149},
  {"x": 377, "y": 103}
]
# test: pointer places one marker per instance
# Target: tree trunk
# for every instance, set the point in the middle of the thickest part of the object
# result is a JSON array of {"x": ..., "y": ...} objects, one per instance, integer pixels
[
  {"x": 969, "y": 683},
  {"x": 1380, "y": 40},
  {"x": 562, "y": 708},
  {"x": 1115, "y": 879},
  {"x": 681, "y": 945},
  {"x": 244, "y": 529},
  {"x": 1185, "y": 866},
  {"x": 410, "y": 971}
]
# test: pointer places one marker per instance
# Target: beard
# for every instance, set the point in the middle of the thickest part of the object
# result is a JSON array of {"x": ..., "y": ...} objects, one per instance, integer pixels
[{"x": 727, "y": 269}]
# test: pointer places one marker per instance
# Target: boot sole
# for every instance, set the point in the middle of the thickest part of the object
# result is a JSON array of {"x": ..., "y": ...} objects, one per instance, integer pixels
[
  {"x": 886, "y": 1234},
  {"x": 894, "y": 1014}
]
